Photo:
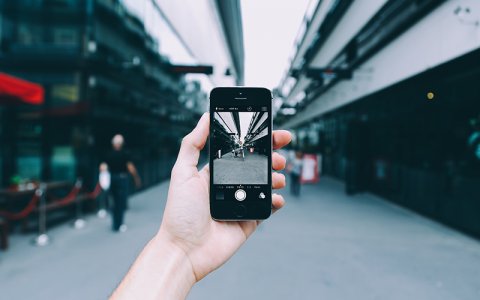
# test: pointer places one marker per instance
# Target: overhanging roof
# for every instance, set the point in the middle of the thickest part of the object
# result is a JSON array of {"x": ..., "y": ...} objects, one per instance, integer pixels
[{"x": 14, "y": 89}]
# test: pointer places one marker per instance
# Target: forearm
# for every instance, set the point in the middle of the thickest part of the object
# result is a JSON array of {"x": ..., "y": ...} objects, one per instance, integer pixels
[
  {"x": 162, "y": 271},
  {"x": 133, "y": 171}
]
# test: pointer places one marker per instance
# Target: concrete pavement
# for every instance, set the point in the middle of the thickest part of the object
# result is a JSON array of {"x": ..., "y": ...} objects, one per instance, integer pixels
[
  {"x": 253, "y": 169},
  {"x": 323, "y": 245}
]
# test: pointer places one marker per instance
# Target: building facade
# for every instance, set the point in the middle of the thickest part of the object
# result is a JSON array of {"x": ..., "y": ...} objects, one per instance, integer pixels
[
  {"x": 103, "y": 73},
  {"x": 386, "y": 91}
]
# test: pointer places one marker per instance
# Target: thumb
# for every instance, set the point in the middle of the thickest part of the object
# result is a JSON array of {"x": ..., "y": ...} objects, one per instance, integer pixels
[{"x": 193, "y": 143}]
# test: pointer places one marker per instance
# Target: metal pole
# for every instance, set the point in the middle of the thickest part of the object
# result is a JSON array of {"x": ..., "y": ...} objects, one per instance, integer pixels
[
  {"x": 79, "y": 222},
  {"x": 102, "y": 212},
  {"x": 42, "y": 239}
]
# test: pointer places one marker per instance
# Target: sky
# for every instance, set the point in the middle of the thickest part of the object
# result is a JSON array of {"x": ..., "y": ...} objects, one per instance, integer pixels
[
  {"x": 227, "y": 119},
  {"x": 245, "y": 119},
  {"x": 269, "y": 30}
]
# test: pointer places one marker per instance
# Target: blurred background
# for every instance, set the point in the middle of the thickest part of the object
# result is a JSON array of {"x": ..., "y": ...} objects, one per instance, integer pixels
[{"x": 382, "y": 98}]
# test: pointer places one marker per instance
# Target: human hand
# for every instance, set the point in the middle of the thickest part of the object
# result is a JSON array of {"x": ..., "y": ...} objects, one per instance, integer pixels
[
  {"x": 190, "y": 244},
  {"x": 187, "y": 224}
]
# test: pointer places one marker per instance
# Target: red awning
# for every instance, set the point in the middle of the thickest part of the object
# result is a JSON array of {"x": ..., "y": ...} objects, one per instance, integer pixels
[{"x": 13, "y": 88}]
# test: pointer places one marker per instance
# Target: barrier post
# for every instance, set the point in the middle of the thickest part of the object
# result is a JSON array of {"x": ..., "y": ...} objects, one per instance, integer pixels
[
  {"x": 42, "y": 239},
  {"x": 79, "y": 222},
  {"x": 102, "y": 203}
]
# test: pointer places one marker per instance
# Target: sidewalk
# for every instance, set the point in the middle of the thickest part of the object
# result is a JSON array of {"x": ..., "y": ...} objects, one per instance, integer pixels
[{"x": 323, "y": 245}]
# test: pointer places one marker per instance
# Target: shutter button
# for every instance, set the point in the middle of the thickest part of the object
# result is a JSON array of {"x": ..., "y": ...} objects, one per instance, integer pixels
[{"x": 240, "y": 195}]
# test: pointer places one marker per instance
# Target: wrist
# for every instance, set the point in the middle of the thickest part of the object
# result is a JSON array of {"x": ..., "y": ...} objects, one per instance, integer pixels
[
  {"x": 179, "y": 257},
  {"x": 162, "y": 271},
  {"x": 178, "y": 270}
]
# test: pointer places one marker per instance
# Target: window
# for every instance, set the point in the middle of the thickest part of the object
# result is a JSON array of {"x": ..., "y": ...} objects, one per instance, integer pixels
[
  {"x": 65, "y": 36},
  {"x": 63, "y": 163},
  {"x": 59, "y": 3},
  {"x": 64, "y": 93},
  {"x": 28, "y": 35}
]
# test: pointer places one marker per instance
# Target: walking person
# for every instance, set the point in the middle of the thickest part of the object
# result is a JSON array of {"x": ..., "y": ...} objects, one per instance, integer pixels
[
  {"x": 119, "y": 164},
  {"x": 295, "y": 168}
]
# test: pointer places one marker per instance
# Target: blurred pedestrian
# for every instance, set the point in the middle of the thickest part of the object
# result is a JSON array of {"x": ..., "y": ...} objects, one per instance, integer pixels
[
  {"x": 119, "y": 164},
  {"x": 296, "y": 167},
  {"x": 104, "y": 180}
]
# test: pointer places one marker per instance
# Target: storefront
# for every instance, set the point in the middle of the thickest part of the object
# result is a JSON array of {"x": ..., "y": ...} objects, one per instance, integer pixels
[{"x": 19, "y": 158}]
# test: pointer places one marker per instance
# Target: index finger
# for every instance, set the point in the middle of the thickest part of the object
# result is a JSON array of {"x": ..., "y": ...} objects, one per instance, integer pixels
[{"x": 281, "y": 138}]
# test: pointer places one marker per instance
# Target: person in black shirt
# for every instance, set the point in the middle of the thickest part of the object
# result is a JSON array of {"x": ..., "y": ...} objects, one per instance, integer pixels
[{"x": 119, "y": 163}]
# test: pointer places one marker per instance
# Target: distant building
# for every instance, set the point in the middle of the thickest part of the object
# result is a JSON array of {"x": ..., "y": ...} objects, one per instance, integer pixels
[
  {"x": 213, "y": 34},
  {"x": 103, "y": 74}
]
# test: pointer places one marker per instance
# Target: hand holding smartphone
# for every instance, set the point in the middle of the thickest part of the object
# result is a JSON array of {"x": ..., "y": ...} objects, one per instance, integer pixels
[
  {"x": 189, "y": 245},
  {"x": 240, "y": 153}
]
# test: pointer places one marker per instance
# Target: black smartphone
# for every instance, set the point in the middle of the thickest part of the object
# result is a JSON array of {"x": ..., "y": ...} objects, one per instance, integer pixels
[{"x": 240, "y": 153}]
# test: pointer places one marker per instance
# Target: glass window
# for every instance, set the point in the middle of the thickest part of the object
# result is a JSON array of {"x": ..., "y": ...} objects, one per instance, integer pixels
[
  {"x": 29, "y": 162},
  {"x": 59, "y": 3},
  {"x": 28, "y": 142},
  {"x": 64, "y": 93},
  {"x": 1, "y": 148},
  {"x": 29, "y": 167},
  {"x": 65, "y": 36},
  {"x": 27, "y": 34},
  {"x": 63, "y": 163}
]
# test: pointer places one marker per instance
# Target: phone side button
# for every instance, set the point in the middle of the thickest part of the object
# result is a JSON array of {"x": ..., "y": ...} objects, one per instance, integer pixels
[{"x": 239, "y": 210}]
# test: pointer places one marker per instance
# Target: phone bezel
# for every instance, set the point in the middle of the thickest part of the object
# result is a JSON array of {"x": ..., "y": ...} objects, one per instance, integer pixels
[{"x": 225, "y": 210}]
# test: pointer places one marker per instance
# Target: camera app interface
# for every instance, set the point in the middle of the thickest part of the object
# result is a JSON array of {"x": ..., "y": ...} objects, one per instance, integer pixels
[{"x": 241, "y": 149}]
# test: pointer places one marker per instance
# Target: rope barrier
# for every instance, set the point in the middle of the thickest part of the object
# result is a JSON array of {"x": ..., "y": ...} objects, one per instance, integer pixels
[
  {"x": 26, "y": 210},
  {"x": 96, "y": 191},
  {"x": 69, "y": 198}
]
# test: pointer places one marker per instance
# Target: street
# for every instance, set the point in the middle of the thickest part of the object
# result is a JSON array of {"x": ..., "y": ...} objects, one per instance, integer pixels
[
  {"x": 323, "y": 245},
  {"x": 250, "y": 170}
]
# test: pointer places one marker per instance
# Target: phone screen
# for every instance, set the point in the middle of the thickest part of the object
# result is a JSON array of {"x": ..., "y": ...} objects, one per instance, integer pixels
[{"x": 240, "y": 154}]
